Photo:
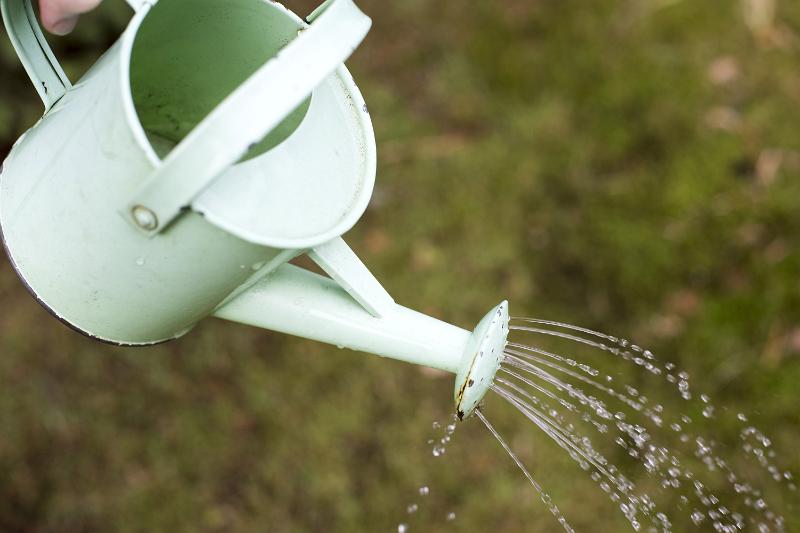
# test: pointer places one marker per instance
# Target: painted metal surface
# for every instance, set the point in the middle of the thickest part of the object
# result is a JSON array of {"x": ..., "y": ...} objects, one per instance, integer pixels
[
  {"x": 298, "y": 302},
  {"x": 342, "y": 264},
  {"x": 172, "y": 183},
  {"x": 66, "y": 180}
]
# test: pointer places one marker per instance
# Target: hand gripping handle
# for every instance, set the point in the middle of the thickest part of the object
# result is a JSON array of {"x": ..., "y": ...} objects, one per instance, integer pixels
[
  {"x": 35, "y": 54},
  {"x": 246, "y": 115}
]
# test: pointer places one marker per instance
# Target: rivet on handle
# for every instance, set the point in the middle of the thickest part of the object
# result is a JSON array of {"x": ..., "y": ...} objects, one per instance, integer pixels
[{"x": 144, "y": 218}]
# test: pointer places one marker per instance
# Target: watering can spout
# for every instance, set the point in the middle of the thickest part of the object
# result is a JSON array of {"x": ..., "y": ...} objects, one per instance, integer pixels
[
  {"x": 298, "y": 302},
  {"x": 351, "y": 310}
]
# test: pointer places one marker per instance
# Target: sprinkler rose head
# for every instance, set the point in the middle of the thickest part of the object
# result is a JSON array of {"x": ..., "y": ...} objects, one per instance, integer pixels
[{"x": 481, "y": 360}]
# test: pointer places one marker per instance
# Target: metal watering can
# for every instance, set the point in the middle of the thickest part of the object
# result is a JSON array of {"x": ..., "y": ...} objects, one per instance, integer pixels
[{"x": 212, "y": 144}]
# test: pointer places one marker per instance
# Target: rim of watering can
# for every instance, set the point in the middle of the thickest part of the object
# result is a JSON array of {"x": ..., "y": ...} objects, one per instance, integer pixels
[
  {"x": 368, "y": 159},
  {"x": 127, "y": 41},
  {"x": 343, "y": 75},
  {"x": 131, "y": 116}
]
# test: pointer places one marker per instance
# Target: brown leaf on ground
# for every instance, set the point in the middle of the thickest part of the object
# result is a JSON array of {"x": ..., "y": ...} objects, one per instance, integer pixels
[
  {"x": 377, "y": 241},
  {"x": 779, "y": 343},
  {"x": 424, "y": 256},
  {"x": 723, "y": 70},
  {"x": 749, "y": 234},
  {"x": 776, "y": 251},
  {"x": 684, "y": 302},
  {"x": 723, "y": 118},
  {"x": 666, "y": 326},
  {"x": 768, "y": 165},
  {"x": 793, "y": 341}
]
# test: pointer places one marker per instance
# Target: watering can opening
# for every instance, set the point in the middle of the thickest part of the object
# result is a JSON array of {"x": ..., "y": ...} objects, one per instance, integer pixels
[
  {"x": 180, "y": 72},
  {"x": 304, "y": 179}
]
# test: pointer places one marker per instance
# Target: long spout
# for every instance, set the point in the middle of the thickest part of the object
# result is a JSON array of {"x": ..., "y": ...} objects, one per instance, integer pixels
[
  {"x": 354, "y": 312},
  {"x": 298, "y": 302}
]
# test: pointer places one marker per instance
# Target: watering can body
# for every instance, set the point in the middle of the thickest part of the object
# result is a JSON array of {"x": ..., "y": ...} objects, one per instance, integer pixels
[
  {"x": 67, "y": 184},
  {"x": 212, "y": 144}
]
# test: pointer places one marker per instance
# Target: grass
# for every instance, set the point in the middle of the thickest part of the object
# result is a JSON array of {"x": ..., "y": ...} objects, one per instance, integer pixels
[{"x": 626, "y": 165}]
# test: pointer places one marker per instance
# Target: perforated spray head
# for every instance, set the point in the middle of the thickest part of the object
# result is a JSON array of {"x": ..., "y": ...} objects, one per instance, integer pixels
[{"x": 481, "y": 360}]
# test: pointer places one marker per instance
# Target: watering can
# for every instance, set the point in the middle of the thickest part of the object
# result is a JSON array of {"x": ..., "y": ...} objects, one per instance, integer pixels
[{"x": 211, "y": 145}]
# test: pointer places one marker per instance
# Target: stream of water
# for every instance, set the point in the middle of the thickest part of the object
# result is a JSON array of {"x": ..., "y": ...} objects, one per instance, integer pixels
[{"x": 589, "y": 413}]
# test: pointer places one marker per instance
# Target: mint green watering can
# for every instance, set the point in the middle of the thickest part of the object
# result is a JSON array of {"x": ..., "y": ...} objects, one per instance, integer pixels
[{"x": 212, "y": 144}]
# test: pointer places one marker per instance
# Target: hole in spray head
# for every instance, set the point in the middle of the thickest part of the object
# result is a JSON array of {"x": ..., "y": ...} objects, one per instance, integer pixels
[{"x": 188, "y": 55}]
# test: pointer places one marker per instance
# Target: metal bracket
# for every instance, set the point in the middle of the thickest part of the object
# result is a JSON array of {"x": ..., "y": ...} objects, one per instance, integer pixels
[{"x": 344, "y": 266}]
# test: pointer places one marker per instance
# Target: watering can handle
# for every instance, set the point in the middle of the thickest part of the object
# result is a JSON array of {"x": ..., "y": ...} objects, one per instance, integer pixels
[
  {"x": 35, "y": 54},
  {"x": 256, "y": 107}
]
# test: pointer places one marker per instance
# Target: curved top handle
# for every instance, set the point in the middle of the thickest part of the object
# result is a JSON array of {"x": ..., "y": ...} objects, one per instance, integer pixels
[
  {"x": 246, "y": 115},
  {"x": 35, "y": 54}
]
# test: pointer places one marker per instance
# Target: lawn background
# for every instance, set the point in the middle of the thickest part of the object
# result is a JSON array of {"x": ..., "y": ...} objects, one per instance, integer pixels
[{"x": 627, "y": 165}]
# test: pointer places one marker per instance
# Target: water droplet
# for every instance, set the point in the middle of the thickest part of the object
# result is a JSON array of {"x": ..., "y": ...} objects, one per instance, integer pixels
[
  {"x": 683, "y": 387},
  {"x": 742, "y": 417},
  {"x": 402, "y": 528},
  {"x": 436, "y": 424},
  {"x": 451, "y": 516},
  {"x": 424, "y": 490},
  {"x": 411, "y": 509}
]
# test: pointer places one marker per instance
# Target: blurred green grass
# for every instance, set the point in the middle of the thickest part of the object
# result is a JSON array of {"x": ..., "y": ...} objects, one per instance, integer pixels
[{"x": 626, "y": 165}]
